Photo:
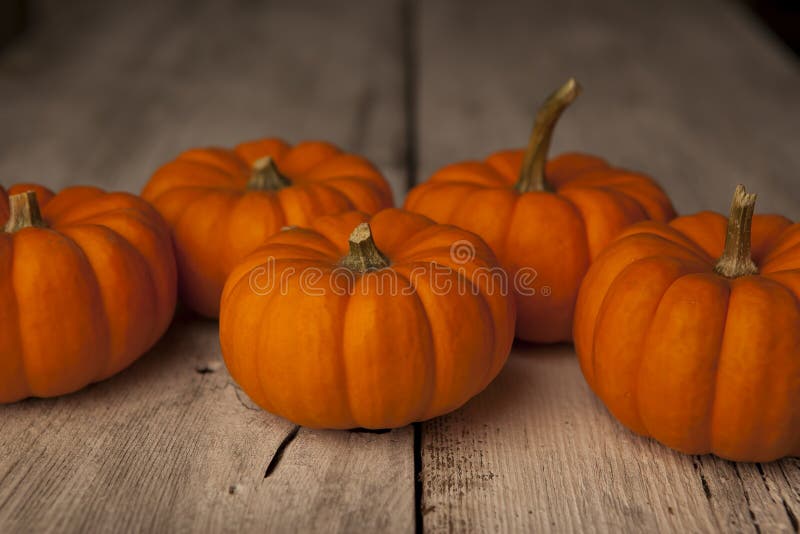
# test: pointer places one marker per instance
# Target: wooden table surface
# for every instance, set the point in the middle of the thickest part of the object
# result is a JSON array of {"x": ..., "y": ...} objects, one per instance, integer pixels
[{"x": 696, "y": 93}]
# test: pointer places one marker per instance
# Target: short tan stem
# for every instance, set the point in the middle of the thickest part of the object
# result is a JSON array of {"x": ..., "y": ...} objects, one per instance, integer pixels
[
  {"x": 736, "y": 260},
  {"x": 266, "y": 176},
  {"x": 23, "y": 213},
  {"x": 532, "y": 174},
  {"x": 364, "y": 254}
]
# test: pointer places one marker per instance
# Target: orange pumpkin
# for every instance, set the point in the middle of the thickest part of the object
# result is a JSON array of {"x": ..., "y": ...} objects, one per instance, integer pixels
[
  {"x": 87, "y": 285},
  {"x": 545, "y": 222},
  {"x": 699, "y": 353},
  {"x": 221, "y": 204},
  {"x": 408, "y": 323}
]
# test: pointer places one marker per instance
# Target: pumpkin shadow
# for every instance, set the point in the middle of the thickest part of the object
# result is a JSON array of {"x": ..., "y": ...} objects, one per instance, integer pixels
[
  {"x": 360, "y": 430},
  {"x": 520, "y": 376},
  {"x": 530, "y": 349},
  {"x": 189, "y": 343}
]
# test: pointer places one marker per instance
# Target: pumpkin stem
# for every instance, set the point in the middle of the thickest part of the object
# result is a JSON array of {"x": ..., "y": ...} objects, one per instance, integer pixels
[
  {"x": 266, "y": 176},
  {"x": 364, "y": 254},
  {"x": 736, "y": 260},
  {"x": 531, "y": 176},
  {"x": 23, "y": 213}
]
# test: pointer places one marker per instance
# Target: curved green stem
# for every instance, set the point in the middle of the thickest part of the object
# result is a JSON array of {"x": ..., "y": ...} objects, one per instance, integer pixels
[{"x": 532, "y": 174}]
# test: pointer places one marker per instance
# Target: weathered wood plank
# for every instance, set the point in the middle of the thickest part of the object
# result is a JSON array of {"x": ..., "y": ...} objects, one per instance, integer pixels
[
  {"x": 173, "y": 444},
  {"x": 693, "y": 93},
  {"x": 137, "y": 448},
  {"x": 537, "y": 452},
  {"x": 701, "y": 106},
  {"x": 103, "y": 92}
]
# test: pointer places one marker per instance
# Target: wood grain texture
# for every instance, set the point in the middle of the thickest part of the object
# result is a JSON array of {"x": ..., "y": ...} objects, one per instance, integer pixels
[
  {"x": 538, "y": 452},
  {"x": 693, "y": 93},
  {"x": 102, "y": 93},
  {"x": 173, "y": 445}
]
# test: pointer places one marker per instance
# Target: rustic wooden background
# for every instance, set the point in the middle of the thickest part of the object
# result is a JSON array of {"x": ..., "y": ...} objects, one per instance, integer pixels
[{"x": 696, "y": 93}]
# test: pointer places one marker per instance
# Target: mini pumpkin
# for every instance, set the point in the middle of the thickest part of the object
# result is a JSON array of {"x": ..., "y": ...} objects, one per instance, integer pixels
[
  {"x": 407, "y": 323},
  {"x": 88, "y": 284},
  {"x": 545, "y": 220},
  {"x": 221, "y": 204},
  {"x": 690, "y": 332}
]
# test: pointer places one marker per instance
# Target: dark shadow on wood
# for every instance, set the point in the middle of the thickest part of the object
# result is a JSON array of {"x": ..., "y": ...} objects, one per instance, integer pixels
[{"x": 370, "y": 430}]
